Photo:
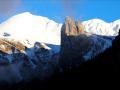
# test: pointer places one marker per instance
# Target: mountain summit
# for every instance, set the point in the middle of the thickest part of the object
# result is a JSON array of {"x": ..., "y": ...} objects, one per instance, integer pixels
[{"x": 27, "y": 27}]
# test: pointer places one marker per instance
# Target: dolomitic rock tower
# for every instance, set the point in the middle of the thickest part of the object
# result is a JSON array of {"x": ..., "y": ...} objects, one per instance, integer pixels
[{"x": 72, "y": 33}]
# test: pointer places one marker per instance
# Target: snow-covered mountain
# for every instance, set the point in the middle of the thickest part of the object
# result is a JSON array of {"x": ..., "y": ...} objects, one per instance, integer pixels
[
  {"x": 31, "y": 44},
  {"x": 27, "y": 27},
  {"x": 28, "y": 43},
  {"x": 100, "y": 27}
]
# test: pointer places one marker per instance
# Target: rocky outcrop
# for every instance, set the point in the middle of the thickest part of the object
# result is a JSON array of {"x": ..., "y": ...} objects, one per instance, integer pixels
[
  {"x": 78, "y": 46},
  {"x": 35, "y": 62},
  {"x": 11, "y": 46},
  {"x": 73, "y": 42},
  {"x": 72, "y": 28},
  {"x": 11, "y": 51},
  {"x": 42, "y": 52},
  {"x": 17, "y": 50}
]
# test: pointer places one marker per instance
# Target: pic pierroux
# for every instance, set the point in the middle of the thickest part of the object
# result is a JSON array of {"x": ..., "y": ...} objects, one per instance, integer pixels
[{"x": 32, "y": 46}]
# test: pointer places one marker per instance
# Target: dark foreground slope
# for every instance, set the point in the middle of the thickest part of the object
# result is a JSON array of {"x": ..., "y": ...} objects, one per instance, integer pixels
[{"x": 103, "y": 68}]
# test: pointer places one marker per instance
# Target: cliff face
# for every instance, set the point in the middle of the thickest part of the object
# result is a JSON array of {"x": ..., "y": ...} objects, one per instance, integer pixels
[
  {"x": 73, "y": 42},
  {"x": 11, "y": 46},
  {"x": 72, "y": 28},
  {"x": 78, "y": 46}
]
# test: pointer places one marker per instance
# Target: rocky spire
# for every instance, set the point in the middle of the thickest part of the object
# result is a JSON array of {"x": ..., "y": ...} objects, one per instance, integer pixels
[
  {"x": 72, "y": 35},
  {"x": 72, "y": 28}
]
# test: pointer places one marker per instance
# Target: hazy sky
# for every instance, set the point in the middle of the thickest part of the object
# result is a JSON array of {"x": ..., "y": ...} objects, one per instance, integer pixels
[{"x": 57, "y": 10}]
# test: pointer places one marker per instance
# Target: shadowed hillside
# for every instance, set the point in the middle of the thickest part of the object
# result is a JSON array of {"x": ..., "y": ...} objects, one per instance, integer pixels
[{"x": 103, "y": 68}]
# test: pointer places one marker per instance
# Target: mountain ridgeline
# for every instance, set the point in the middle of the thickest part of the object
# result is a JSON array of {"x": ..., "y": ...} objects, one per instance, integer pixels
[{"x": 47, "y": 50}]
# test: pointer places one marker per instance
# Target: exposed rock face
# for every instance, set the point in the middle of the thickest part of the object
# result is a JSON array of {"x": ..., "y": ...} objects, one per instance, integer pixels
[
  {"x": 7, "y": 46},
  {"x": 72, "y": 28},
  {"x": 42, "y": 52},
  {"x": 73, "y": 42},
  {"x": 11, "y": 51}
]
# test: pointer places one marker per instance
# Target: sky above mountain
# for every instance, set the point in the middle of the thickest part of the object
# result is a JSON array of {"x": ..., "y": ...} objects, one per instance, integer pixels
[{"x": 57, "y": 10}]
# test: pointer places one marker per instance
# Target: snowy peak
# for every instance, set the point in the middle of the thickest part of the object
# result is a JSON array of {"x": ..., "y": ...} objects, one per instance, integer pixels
[
  {"x": 100, "y": 27},
  {"x": 27, "y": 27},
  {"x": 26, "y": 16}
]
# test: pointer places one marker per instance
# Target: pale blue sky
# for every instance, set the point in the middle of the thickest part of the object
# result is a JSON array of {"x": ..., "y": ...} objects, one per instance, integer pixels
[{"x": 57, "y": 10}]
